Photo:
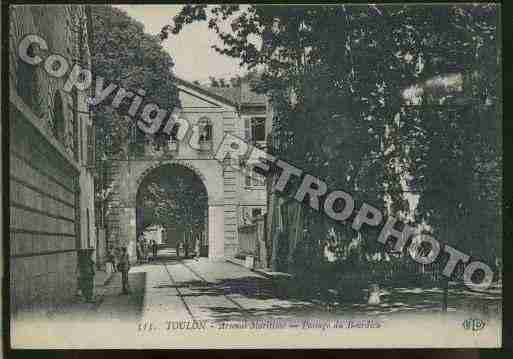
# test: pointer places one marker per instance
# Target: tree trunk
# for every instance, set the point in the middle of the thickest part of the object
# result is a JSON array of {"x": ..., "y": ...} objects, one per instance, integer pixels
[
  {"x": 260, "y": 250},
  {"x": 295, "y": 216},
  {"x": 445, "y": 299},
  {"x": 197, "y": 244},
  {"x": 186, "y": 243},
  {"x": 275, "y": 229},
  {"x": 269, "y": 236},
  {"x": 444, "y": 279}
]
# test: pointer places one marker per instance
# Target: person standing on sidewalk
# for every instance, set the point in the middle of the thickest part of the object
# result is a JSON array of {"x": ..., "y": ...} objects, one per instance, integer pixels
[
  {"x": 87, "y": 272},
  {"x": 143, "y": 250},
  {"x": 110, "y": 262},
  {"x": 178, "y": 248},
  {"x": 117, "y": 255},
  {"x": 146, "y": 251},
  {"x": 154, "y": 248},
  {"x": 150, "y": 250},
  {"x": 124, "y": 267},
  {"x": 138, "y": 248},
  {"x": 138, "y": 251}
]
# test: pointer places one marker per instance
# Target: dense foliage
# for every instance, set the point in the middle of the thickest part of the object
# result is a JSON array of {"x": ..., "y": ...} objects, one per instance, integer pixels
[
  {"x": 173, "y": 197},
  {"x": 123, "y": 54},
  {"x": 337, "y": 77}
]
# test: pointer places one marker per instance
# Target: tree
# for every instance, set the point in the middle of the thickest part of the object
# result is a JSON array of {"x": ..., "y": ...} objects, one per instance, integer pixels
[
  {"x": 332, "y": 70},
  {"x": 252, "y": 77},
  {"x": 321, "y": 82},
  {"x": 222, "y": 83},
  {"x": 456, "y": 146},
  {"x": 235, "y": 81},
  {"x": 214, "y": 82},
  {"x": 123, "y": 54},
  {"x": 134, "y": 60},
  {"x": 218, "y": 82}
]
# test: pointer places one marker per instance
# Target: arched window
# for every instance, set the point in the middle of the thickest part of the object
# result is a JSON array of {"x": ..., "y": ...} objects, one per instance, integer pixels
[
  {"x": 174, "y": 132},
  {"x": 58, "y": 118},
  {"x": 172, "y": 144},
  {"x": 205, "y": 130},
  {"x": 26, "y": 83}
]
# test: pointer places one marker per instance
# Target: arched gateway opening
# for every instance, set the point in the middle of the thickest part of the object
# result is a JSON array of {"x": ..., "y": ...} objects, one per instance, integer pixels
[{"x": 172, "y": 209}]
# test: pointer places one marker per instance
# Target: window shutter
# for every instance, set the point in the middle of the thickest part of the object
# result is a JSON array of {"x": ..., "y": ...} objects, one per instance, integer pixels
[
  {"x": 209, "y": 132},
  {"x": 256, "y": 179},
  {"x": 247, "y": 129},
  {"x": 258, "y": 129}
]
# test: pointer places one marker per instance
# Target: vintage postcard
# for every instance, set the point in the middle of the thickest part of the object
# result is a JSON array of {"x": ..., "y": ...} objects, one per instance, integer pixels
[{"x": 254, "y": 176}]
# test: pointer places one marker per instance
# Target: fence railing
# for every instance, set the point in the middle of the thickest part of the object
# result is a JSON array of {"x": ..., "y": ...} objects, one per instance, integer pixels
[{"x": 395, "y": 272}]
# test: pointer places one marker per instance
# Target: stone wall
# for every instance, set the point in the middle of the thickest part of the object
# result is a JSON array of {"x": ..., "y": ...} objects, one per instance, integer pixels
[{"x": 51, "y": 189}]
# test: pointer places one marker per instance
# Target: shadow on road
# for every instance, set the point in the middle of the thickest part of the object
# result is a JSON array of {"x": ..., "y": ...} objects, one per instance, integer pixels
[{"x": 252, "y": 296}]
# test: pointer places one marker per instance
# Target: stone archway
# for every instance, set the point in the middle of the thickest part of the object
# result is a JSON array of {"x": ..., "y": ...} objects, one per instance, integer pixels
[
  {"x": 132, "y": 175},
  {"x": 157, "y": 164},
  {"x": 185, "y": 189}
]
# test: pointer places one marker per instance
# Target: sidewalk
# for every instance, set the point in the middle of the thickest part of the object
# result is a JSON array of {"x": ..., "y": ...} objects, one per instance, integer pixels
[
  {"x": 78, "y": 304},
  {"x": 101, "y": 278},
  {"x": 266, "y": 272}
]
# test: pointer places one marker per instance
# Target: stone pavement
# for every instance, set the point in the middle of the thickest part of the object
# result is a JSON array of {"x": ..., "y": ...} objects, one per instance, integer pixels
[
  {"x": 106, "y": 288},
  {"x": 211, "y": 290}
]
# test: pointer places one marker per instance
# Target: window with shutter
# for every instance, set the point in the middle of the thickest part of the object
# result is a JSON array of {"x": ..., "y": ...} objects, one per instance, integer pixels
[
  {"x": 245, "y": 217},
  {"x": 254, "y": 180},
  {"x": 173, "y": 134},
  {"x": 258, "y": 180},
  {"x": 258, "y": 128},
  {"x": 172, "y": 144},
  {"x": 205, "y": 137},
  {"x": 206, "y": 132},
  {"x": 27, "y": 83}
]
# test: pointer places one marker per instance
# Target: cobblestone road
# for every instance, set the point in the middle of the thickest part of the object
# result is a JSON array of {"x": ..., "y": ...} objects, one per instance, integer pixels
[{"x": 207, "y": 290}]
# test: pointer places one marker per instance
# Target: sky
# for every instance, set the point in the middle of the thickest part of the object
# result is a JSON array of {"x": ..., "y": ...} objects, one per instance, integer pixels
[{"x": 191, "y": 49}]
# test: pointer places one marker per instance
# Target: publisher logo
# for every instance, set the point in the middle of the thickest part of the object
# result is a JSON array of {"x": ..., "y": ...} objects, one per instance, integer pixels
[{"x": 474, "y": 324}]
